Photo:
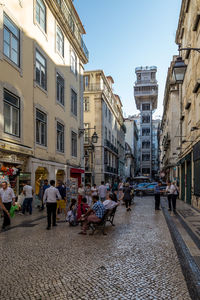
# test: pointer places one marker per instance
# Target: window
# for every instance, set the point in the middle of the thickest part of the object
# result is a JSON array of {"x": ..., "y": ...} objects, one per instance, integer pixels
[
  {"x": 60, "y": 137},
  {"x": 145, "y": 131},
  {"x": 145, "y": 170},
  {"x": 146, "y": 145},
  {"x": 110, "y": 117},
  {"x": 145, "y": 157},
  {"x": 11, "y": 114},
  {"x": 145, "y": 119},
  {"x": 106, "y": 110},
  {"x": 59, "y": 41},
  {"x": 41, "y": 14},
  {"x": 60, "y": 87},
  {"x": 74, "y": 102},
  {"x": 86, "y": 132},
  {"x": 109, "y": 136},
  {"x": 86, "y": 81},
  {"x": 73, "y": 62},
  {"x": 106, "y": 133},
  {"x": 86, "y": 104},
  {"x": 112, "y": 139},
  {"x": 11, "y": 41},
  {"x": 146, "y": 106},
  {"x": 74, "y": 144},
  {"x": 41, "y": 128},
  {"x": 41, "y": 77}
]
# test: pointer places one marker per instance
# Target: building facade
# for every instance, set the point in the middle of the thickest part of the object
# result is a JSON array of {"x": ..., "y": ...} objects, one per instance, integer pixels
[
  {"x": 103, "y": 114},
  {"x": 146, "y": 94},
  {"x": 131, "y": 139},
  {"x": 188, "y": 35},
  {"x": 41, "y": 90},
  {"x": 170, "y": 128}
]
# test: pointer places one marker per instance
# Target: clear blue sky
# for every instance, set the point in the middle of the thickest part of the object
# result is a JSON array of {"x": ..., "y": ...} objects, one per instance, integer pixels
[{"x": 124, "y": 34}]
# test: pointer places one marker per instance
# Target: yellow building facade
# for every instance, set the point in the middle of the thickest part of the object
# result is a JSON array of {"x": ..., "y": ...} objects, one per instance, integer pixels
[
  {"x": 42, "y": 55},
  {"x": 104, "y": 160}
]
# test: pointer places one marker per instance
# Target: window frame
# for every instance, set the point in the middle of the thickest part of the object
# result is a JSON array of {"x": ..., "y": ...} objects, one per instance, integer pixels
[
  {"x": 44, "y": 123},
  {"x": 60, "y": 145},
  {"x": 18, "y": 108},
  {"x": 12, "y": 35},
  {"x": 86, "y": 104},
  {"x": 60, "y": 38},
  {"x": 74, "y": 107},
  {"x": 74, "y": 153},
  {"x": 45, "y": 15},
  {"x": 45, "y": 68},
  {"x": 73, "y": 62},
  {"x": 61, "y": 86}
]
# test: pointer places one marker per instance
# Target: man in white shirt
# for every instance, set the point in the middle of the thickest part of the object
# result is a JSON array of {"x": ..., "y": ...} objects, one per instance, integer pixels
[
  {"x": 28, "y": 192},
  {"x": 102, "y": 191},
  {"x": 51, "y": 195},
  {"x": 8, "y": 198}
]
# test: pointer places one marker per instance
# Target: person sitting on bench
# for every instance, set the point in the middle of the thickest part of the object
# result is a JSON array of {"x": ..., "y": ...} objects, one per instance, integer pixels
[
  {"x": 109, "y": 203},
  {"x": 93, "y": 215}
]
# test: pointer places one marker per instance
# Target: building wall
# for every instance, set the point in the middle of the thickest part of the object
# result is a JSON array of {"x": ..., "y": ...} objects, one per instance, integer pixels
[
  {"x": 21, "y": 81},
  {"x": 188, "y": 35},
  {"x": 105, "y": 114}
]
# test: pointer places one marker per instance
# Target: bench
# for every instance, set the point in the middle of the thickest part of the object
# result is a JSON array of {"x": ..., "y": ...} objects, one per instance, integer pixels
[{"x": 108, "y": 217}]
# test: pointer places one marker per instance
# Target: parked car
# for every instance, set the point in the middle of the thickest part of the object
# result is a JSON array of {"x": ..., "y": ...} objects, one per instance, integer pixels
[
  {"x": 149, "y": 189},
  {"x": 146, "y": 190}
]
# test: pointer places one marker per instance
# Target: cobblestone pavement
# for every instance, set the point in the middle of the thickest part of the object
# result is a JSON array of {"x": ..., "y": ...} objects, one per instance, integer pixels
[{"x": 136, "y": 260}]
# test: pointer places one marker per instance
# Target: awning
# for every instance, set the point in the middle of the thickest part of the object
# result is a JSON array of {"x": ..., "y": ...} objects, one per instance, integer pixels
[{"x": 75, "y": 170}]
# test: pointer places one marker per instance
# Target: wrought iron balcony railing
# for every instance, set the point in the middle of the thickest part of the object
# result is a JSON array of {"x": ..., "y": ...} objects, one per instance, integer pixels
[{"x": 70, "y": 20}]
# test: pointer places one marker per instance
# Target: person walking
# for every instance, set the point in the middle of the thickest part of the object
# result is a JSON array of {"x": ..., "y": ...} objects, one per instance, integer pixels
[
  {"x": 175, "y": 193},
  {"x": 61, "y": 204},
  {"x": 44, "y": 187},
  {"x": 102, "y": 191},
  {"x": 88, "y": 194},
  {"x": 157, "y": 192},
  {"x": 28, "y": 192},
  {"x": 127, "y": 196},
  {"x": 169, "y": 195},
  {"x": 8, "y": 198},
  {"x": 51, "y": 195}
]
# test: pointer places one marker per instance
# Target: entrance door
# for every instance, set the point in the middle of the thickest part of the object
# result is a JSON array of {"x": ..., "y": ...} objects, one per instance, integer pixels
[
  {"x": 188, "y": 182},
  {"x": 183, "y": 181}
]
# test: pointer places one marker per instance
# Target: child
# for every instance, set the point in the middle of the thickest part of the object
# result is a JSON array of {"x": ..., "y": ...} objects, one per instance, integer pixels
[
  {"x": 82, "y": 209},
  {"x": 71, "y": 215}
]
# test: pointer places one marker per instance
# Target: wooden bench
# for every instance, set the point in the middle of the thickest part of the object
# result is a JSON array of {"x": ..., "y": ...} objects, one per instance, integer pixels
[{"x": 108, "y": 217}]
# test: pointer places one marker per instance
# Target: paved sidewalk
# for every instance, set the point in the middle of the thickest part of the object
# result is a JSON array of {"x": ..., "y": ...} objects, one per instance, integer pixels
[{"x": 136, "y": 260}]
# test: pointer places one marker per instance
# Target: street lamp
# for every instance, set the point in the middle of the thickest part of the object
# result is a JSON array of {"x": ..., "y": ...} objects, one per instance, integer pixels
[
  {"x": 94, "y": 138},
  {"x": 179, "y": 70}
]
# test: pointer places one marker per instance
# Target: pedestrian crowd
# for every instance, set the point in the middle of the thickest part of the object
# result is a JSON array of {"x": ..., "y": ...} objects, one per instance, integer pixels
[{"x": 90, "y": 205}]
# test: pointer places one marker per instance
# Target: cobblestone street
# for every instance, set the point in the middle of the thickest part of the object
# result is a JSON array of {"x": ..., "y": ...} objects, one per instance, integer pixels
[{"x": 136, "y": 260}]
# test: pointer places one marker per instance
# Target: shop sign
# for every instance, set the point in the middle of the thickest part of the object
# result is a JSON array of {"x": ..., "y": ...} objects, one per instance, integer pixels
[{"x": 18, "y": 149}]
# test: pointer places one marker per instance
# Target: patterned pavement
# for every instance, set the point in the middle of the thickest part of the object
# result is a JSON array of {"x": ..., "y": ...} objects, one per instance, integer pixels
[{"x": 136, "y": 260}]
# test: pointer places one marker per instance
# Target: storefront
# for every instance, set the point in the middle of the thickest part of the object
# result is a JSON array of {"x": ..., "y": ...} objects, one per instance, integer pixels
[
  {"x": 13, "y": 165},
  {"x": 77, "y": 173}
]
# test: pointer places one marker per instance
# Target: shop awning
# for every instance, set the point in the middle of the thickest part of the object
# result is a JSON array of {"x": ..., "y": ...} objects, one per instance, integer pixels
[{"x": 75, "y": 170}]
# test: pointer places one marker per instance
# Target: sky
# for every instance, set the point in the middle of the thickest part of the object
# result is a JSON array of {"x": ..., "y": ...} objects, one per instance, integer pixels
[{"x": 124, "y": 34}]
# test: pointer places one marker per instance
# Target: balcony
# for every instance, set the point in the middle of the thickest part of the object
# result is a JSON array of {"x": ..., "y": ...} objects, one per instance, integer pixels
[
  {"x": 72, "y": 24},
  {"x": 93, "y": 87},
  {"x": 111, "y": 146},
  {"x": 110, "y": 169}
]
